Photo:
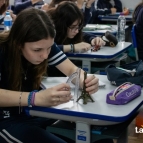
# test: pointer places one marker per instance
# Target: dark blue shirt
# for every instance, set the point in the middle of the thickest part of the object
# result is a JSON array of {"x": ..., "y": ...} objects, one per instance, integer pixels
[
  {"x": 55, "y": 57},
  {"x": 103, "y": 7},
  {"x": 87, "y": 37},
  {"x": 20, "y": 5},
  {"x": 138, "y": 16}
]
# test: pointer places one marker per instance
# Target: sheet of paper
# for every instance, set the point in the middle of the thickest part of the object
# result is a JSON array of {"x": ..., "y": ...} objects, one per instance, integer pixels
[
  {"x": 101, "y": 84},
  {"x": 67, "y": 105}
]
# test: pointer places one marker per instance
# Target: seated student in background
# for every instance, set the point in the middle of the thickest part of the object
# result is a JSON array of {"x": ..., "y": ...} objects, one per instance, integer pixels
[
  {"x": 3, "y": 6},
  {"x": 68, "y": 21},
  {"x": 80, "y": 3},
  {"x": 24, "y": 51},
  {"x": 104, "y": 7},
  {"x": 138, "y": 20},
  {"x": 20, "y": 5}
]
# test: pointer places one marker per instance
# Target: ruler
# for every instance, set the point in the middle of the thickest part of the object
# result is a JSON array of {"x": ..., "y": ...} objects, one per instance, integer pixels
[{"x": 75, "y": 76}]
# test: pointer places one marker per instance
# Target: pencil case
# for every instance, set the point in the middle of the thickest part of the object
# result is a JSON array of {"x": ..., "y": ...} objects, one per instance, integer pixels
[
  {"x": 123, "y": 94},
  {"x": 110, "y": 39}
]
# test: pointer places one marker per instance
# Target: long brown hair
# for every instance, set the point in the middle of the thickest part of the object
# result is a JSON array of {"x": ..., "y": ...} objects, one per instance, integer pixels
[
  {"x": 4, "y": 7},
  {"x": 63, "y": 17},
  {"x": 31, "y": 25},
  {"x": 136, "y": 11}
]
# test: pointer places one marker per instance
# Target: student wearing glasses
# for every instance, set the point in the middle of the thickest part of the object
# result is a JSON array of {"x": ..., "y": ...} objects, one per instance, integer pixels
[
  {"x": 83, "y": 5},
  {"x": 68, "y": 21},
  {"x": 25, "y": 51}
]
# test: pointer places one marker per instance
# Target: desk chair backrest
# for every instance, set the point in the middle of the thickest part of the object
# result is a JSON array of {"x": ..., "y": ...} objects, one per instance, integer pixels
[{"x": 133, "y": 32}]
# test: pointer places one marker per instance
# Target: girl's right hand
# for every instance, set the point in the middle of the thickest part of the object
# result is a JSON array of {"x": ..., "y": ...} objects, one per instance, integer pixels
[
  {"x": 82, "y": 47},
  {"x": 53, "y": 96}
]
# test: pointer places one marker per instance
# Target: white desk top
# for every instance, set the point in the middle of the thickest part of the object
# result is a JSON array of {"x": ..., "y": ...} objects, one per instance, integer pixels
[
  {"x": 96, "y": 113},
  {"x": 99, "y": 29},
  {"x": 104, "y": 52},
  {"x": 114, "y": 17}
]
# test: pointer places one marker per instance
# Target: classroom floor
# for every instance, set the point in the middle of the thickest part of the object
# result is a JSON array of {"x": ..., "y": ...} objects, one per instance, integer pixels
[{"x": 132, "y": 136}]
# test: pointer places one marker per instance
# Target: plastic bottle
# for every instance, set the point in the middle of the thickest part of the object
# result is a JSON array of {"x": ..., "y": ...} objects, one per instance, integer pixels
[
  {"x": 7, "y": 21},
  {"x": 121, "y": 23}
]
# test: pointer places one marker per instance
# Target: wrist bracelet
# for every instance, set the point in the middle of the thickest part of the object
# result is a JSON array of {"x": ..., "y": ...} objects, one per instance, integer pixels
[
  {"x": 72, "y": 48},
  {"x": 31, "y": 98}
]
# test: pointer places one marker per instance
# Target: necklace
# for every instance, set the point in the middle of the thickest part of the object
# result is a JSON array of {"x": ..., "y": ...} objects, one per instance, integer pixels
[{"x": 25, "y": 75}]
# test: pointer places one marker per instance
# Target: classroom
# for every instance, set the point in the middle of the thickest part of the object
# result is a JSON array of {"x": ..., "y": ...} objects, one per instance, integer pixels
[{"x": 71, "y": 71}]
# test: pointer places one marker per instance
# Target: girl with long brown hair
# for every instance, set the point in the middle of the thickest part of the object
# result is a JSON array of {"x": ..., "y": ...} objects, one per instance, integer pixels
[
  {"x": 68, "y": 21},
  {"x": 24, "y": 53}
]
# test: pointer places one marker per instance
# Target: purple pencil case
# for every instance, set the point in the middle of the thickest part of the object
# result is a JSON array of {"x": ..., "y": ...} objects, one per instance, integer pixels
[{"x": 123, "y": 94}]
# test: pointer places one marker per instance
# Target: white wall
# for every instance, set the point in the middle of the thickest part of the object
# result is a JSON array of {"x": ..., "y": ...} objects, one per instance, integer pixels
[{"x": 131, "y": 4}]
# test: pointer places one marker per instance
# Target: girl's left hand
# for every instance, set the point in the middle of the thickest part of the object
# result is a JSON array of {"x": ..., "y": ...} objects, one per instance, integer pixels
[
  {"x": 45, "y": 7},
  {"x": 92, "y": 84},
  {"x": 97, "y": 43}
]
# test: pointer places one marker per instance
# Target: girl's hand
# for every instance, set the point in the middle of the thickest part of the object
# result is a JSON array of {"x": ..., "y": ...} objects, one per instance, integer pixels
[
  {"x": 45, "y": 7},
  {"x": 80, "y": 3},
  {"x": 89, "y": 3},
  {"x": 53, "y": 96},
  {"x": 35, "y": 1},
  {"x": 82, "y": 47},
  {"x": 92, "y": 84},
  {"x": 97, "y": 43},
  {"x": 12, "y": 15}
]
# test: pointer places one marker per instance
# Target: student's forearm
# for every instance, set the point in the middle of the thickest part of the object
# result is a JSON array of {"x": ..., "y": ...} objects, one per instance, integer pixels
[
  {"x": 11, "y": 98},
  {"x": 70, "y": 69},
  {"x": 66, "y": 48}
]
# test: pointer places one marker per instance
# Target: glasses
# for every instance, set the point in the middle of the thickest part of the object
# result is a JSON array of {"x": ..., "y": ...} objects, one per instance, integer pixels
[{"x": 74, "y": 28}]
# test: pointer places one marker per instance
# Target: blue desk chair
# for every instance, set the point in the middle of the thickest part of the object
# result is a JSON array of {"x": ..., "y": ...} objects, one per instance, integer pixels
[{"x": 133, "y": 32}]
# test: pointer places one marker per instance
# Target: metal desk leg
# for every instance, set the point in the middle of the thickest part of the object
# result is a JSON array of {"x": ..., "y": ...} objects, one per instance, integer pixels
[
  {"x": 82, "y": 132},
  {"x": 86, "y": 66},
  {"x": 123, "y": 138}
]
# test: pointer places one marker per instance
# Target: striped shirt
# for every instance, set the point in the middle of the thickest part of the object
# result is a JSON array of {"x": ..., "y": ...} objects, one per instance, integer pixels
[{"x": 56, "y": 56}]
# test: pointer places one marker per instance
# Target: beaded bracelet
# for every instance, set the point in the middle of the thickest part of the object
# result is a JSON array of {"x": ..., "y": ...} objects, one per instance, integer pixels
[{"x": 31, "y": 98}]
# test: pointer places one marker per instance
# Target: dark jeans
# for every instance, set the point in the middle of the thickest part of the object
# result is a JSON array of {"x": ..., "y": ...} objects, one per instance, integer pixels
[{"x": 27, "y": 130}]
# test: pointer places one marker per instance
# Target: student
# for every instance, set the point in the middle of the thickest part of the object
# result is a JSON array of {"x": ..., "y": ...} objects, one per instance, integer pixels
[
  {"x": 69, "y": 35},
  {"x": 3, "y": 6},
  {"x": 138, "y": 20},
  {"x": 24, "y": 51},
  {"x": 20, "y": 5},
  {"x": 104, "y": 7},
  {"x": 83, "y": 5}
]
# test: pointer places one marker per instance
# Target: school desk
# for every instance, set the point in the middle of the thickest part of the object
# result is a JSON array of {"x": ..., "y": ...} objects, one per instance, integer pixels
[
  {"x": 100, "y": 29},
  {"x": 114, "y": 17},
  {"x": 93, "y": 113},
  {"x": 104, "y": 54}
]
